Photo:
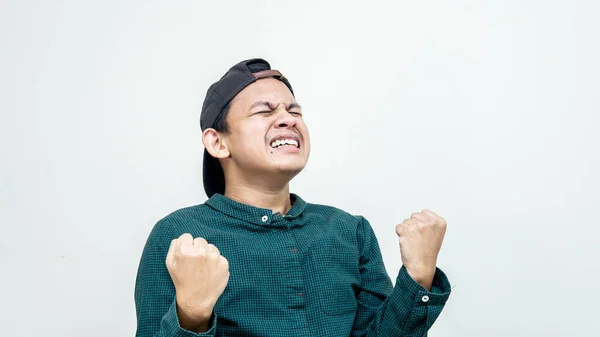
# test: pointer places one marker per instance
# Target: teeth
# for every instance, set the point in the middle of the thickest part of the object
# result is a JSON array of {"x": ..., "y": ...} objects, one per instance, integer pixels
[{"x": 284, "y": 142}]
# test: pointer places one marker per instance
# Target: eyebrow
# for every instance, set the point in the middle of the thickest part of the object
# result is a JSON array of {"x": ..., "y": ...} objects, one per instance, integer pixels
[{"x": 272, "y": 106}]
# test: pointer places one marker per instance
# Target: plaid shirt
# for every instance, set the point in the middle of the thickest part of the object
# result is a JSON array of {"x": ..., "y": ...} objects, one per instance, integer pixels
[{"x": 316, "y": 271}]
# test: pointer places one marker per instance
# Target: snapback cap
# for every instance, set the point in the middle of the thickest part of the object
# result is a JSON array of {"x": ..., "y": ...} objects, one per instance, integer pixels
[{"x": 218, "y": 96}]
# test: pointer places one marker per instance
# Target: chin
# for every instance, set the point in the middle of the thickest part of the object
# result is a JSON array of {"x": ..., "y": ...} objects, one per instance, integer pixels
[{"x": 291, "y": 169}]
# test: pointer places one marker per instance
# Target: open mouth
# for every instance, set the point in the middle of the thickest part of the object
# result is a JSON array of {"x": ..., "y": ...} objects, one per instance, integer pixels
[{"x": 284, "y": 142}]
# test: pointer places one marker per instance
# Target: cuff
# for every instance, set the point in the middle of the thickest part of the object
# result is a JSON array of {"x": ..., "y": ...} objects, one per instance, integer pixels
[
  {"x": 170, "y": 324},
  {"x": 417, "y": 294}
]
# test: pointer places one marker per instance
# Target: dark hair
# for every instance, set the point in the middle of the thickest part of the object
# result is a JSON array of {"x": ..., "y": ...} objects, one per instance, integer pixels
[{"x": 221, "y": 124}]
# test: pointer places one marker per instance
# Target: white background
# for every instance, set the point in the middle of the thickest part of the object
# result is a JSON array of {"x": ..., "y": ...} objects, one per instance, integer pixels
[{"x": 483, "y": 111}]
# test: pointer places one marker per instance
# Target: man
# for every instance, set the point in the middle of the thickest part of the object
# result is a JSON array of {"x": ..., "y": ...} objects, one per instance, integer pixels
[{"x": 256, "y": 260}]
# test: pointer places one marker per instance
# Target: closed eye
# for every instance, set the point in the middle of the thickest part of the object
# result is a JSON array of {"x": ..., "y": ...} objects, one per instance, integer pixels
[{"x": 268, "y": 112}]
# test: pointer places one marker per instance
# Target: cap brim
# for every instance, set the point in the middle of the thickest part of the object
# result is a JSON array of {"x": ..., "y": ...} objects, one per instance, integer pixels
[{"x": 212, "y": 175}]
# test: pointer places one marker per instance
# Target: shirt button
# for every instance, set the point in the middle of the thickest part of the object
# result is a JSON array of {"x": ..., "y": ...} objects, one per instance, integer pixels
[
  {"x": 293, "y": 250},
  {"x": 425, "y": 298},
  {"x": 300, "y": 294},
  {"x": 265, "y": 218}
]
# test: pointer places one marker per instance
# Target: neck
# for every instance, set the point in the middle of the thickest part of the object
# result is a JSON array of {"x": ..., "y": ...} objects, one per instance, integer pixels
[{"x": 276, "y": 199}]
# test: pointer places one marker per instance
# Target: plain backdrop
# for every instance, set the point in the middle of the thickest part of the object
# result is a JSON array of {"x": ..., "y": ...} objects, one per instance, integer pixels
[{"x": 483, "y": 111}]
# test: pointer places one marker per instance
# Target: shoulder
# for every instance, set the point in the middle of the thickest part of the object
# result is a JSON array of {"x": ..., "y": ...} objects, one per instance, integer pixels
[
  {"x": 330, "y": 211},
  {"x": 335, "y": 217},
  {"x": 180, "y": 221},
  {"x": 336, "y": 224},
  {"x": 328, "y": 214},
  {"x": 186, "y": 214}
]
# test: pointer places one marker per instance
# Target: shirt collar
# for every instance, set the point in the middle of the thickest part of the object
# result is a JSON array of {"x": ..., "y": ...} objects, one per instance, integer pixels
[{"x": 254, "y": 215}]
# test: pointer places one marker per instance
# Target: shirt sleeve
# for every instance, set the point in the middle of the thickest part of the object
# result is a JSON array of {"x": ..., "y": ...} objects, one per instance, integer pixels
[
  {"x": 155, "y": 304},
  {"x": 405, "y": 310}
]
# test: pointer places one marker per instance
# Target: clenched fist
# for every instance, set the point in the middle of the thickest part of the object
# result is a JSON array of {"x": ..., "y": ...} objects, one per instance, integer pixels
[
  {"x": 200, "y": 275},
  {"x": 421, "y": 238}
]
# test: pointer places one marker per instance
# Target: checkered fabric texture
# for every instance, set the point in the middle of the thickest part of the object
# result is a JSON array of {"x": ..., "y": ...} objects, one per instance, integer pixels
[{"x": 316, "y": 271}]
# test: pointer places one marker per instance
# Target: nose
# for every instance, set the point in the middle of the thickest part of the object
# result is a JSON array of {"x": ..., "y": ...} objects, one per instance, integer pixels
[{"x": 284, "y": 119}]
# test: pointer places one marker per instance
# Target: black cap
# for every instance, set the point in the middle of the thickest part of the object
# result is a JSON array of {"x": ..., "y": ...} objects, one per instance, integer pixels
[{"x": 218, "y": 95}]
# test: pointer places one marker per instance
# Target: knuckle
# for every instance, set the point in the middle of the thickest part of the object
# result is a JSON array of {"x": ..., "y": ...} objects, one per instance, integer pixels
[
  {"x": 178, "y": 255},
  {"x": 200, "y": 241},
  {"x": 197, "y": 255},
  {"x": 212, "y": 248},
  {"x": 399, "y": 229},
  {"x": 190, "y": 251},
  {"x": 212, "y": 257},
  {"x": 201, "y": 251},
  {"x": 183, "y": 251},
  {"x": 223, "y": 261}
]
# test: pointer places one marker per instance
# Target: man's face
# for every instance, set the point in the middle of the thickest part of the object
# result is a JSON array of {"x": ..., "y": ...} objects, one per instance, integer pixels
[{"x": 267, "y": 131}]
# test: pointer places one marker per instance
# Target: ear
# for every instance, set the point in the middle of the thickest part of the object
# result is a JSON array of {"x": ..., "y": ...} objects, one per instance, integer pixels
[{"x": 215, "y": 144}]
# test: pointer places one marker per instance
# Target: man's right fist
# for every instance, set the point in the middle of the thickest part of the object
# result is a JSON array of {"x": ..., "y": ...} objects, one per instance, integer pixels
[{"x": 199, "y": 274}]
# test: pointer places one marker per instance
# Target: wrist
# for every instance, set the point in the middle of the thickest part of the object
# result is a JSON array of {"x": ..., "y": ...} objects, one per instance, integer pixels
[
  {"x": 423, "y": 275},
  {"x": 193, "y": 317}
]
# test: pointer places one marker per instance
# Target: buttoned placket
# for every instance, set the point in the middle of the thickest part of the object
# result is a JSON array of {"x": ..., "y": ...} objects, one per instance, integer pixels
[{"x": 296, "y": 288}]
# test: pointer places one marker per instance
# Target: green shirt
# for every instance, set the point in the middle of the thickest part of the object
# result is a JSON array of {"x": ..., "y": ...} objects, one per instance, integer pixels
[{"x": 316, "y": 271}]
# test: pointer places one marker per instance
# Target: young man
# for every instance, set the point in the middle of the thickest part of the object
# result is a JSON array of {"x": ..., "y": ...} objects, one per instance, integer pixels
[{"x": 256, "y": 260}]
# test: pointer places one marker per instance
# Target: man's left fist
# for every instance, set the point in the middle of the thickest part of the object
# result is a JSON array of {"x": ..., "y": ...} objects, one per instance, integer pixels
[{"x": 421, "y": 238}]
